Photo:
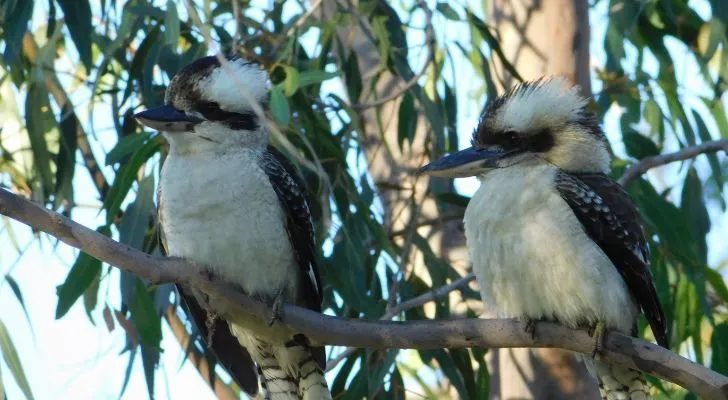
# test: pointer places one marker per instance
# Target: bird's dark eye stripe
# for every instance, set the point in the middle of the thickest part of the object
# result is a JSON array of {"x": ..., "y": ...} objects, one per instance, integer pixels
[{"x": 212, "y": 111}]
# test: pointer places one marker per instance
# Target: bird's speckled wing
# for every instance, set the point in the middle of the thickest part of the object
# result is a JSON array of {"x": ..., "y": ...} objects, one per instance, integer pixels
[
  {"x": 291, "y": 193},
  {"x": 611, "y": 220},
  {"x": 225, "y": 347}
]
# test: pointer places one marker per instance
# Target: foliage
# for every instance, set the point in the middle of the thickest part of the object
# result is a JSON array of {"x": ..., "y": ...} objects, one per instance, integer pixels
[{"x": 122, "y": 54}]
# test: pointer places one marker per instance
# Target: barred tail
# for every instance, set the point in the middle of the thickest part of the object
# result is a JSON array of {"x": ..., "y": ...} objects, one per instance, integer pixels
[
  {"x": 617, "y": 382},
  {"x": 276, "y": 382},
  {"x": 292, "y": 372}
]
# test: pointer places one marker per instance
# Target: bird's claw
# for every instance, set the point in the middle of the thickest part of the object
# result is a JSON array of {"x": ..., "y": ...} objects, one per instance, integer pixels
[
  {"x": 276, "y": 309},
  {"x": 210, "y": 324},
  {"x": 596, "y": 331},
  {"x": 530, "y": 327}
]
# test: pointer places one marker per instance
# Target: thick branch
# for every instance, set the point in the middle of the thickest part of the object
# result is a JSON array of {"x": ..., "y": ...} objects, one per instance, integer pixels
[
  {"x": 322, "y": 329},
  {"x": 636, "y": 170}
]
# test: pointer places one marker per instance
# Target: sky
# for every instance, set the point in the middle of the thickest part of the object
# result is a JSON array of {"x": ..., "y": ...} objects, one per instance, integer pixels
[{"x": 71, "y": 358}]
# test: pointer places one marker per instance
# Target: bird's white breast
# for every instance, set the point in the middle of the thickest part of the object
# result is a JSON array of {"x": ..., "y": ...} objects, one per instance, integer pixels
[
  {"x": 220, "y": 210},
  {"x": 533, "y": 258}
]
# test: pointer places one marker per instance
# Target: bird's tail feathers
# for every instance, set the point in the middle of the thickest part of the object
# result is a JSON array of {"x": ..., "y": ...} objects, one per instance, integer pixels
[
  {"x": 617, "y": 382},
  {"x": 291, "y": 372}
]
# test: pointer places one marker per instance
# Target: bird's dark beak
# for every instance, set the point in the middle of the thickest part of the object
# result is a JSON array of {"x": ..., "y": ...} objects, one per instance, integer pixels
[
  {"x": 469, "y": 162},
  {"x": 168, "y": 119}
]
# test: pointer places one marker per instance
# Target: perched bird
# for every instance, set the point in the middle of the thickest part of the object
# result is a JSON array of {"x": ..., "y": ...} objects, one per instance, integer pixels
[
  {"x": 550, "y": 235},
  {"x": 230, "y": 201}
]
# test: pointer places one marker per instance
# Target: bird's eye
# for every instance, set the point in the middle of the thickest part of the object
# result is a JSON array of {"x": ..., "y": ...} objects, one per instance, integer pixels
[{"x": 511, "y": 136}]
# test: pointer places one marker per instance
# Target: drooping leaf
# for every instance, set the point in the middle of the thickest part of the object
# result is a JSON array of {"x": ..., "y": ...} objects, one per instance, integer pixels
[
  {"x": 719, "y": 347},
  {"x": 705, "y": 136},
  {"x": 19, "y": 295},
  {"x": 10, "y": 355},
  {"x": 639, "y": 146},
  {"x": 145, "y": 316},
  {"x": 14, "y": 27},
  {"x": 125, "y": 146},
  {"x": 307, "y": 78},
  {"x": 77, "y": 14},
  {"x": 171, "y": 25},
  {"x": 447, "y": 11},
  {"x": 279, "y": 106},
  {"x": 39, "y": 120},
  {"x": 407, "y": 120},
  {"x": 83, "y": 272},
  {"x": 66, "y": 160},
  {"x": 150, "y": 361},
  {"x": 135, "y": 221},
  {"x": 125, "y": 178}
]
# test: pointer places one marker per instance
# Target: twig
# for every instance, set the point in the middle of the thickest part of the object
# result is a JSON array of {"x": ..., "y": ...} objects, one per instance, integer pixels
[
  {"x": 429, "y": 222},
  {"x": 326, "y": 330},
  {"x": 271, "y": 126},
  {"x": 430, "y": 40},
  {"x": 311, "y": 9},
  {"x": 236, "y": 36},
  {"x": 414, "y": 302},
  {"x": 636, "y": 170}
]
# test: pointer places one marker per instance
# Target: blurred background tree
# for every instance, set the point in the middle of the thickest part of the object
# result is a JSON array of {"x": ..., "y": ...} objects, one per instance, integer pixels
[{"x": 364, "y": 93}]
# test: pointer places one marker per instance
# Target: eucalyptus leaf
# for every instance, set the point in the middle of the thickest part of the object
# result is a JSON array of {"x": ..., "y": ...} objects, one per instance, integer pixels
[{"x": 10, "y": 355}]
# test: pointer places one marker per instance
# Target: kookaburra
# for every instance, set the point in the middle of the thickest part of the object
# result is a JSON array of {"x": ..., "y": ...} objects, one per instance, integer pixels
[
  {"x": 551, "y": 236},
  {"x": 230, "y": 201}
]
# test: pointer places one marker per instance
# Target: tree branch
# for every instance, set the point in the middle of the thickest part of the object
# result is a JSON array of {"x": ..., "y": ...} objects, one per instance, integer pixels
[
  {"x": 322, "y": 329},
  {"x": 636, "y": 170},
  {"x": 414, "y": 302}
]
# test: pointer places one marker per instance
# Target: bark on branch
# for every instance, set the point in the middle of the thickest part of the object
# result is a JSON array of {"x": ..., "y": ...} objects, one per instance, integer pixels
[
  {"x": 326, "y": 330},
  {"x": 636, "y": 170}
]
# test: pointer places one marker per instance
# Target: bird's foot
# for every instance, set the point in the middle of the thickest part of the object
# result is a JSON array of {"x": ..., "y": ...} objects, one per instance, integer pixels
[
  {"x": 530, "y": 327},
  {"x": 596, "y": 331},
  {"x": 276, "y": 309},
  {"x": 210, "y": 324}
]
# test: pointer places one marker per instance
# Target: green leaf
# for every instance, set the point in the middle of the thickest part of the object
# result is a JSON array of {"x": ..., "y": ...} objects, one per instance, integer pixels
[
  {"x": 171, "y": 25},
  {"x": 705, "y": 136},
  {"x": 717, "y": 282},
  {"x": 135, "y": 221},
  {"x": 145, "y": 316},
  {"x": 18, "y": 295},
  {"x": 307, "y": 78},
  {"x": 150, "y": 360},
  {"x": 639, "y": 146},
  {"x": 407, "y": 120},
  {"x": 291, "y": 83},
  {"x": 653, "y": 116},
  {"x": 352, "y": 77},
  {"x": 719, "y": 346},
  {"x": 66, "y": 160},
  {"x": 10, "y": 355},
  {"x": 127, "y": 145},
  {"x": 77, "y": 14},
  {"x": 493, "y": 43},
  {"x": 3, "y": 396},
  {"x": 81, "y": 276},
  {"x": 38, "y": 120},
  {"x": 125, "y": 178},
  {"x": 279, "y": 106},
  {"x": 91, "y": 297},
  {"x": 693, "y": 205},
  {"x": 14, "y": 27},
  {"x": 447, "y": 11}
]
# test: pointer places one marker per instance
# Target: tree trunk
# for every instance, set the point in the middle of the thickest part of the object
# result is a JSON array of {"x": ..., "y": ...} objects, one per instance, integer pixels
[{"x": 542, "y": 38}]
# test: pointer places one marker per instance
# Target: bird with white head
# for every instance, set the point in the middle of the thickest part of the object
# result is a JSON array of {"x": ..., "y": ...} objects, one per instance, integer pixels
[
  {"x": 232, "y": 202},
  {"x": 550, "y": 235}
]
